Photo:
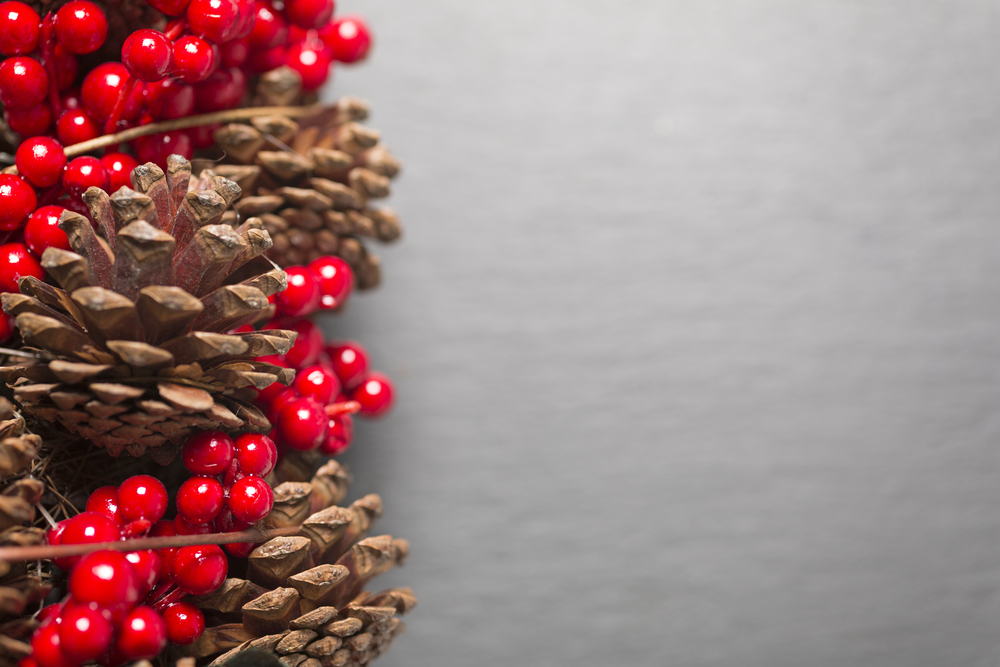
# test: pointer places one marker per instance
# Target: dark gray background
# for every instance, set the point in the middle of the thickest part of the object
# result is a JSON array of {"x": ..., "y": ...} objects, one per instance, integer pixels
[{"x": 695, "y": 330}]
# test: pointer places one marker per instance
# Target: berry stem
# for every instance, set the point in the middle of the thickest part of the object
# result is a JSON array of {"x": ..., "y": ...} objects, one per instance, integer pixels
[
  {"x": 170, "y": 598},
  {"x": 49, "y": 56},
  {"x": 345, "y": 408}
]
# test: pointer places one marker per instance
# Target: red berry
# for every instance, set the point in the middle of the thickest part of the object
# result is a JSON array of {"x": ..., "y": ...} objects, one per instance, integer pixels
[
  {"x": 185, "y": 623},
  {"x": 234, "y": 53},
  {"x": 222, "y": 90},
  {"x": 226, "y": 523},
  {"x": 349, "y": 38},
  {"x": 335, "y": 279},
  {"x": 85, "y": 172},
  {"x": 200, "y": 570},
  {"x": 81, "y": 27},
  {"x": 147, "y": 566},
  {"x": 302, "y": 296},
  {"x": 165, "y": 529},
  {"x": 142, "y": 497},
  {"x": 170, "y": 7},
  {"x": 310, "y": 59},
  {"x": 250, "y": 499},
  {"x": 184, "y": 528},
  {"x": 101, "y": 89},
  {"x": 269, "y": 28},
  {"x": 317, "y": 383},
  {"x": 16, "y": 263},
  {"x": 119, "y": 166},
  {"x": 307, "y": 347},
  {"x": 309, "y": 14},
  {"x": 265, "y": 60},
  {"x": 42, "y": 230},
  {"x": 105, "y": 501},
  {"x": 200, "y": 499},
  {"x": 75, "y": 126},
  {"x": 104, "y": 577},
  {"x": 84, "y": 633},
  {"x": 147, "y": 54},
  {"x": 158, "y": 147},
  {"x": 46, "y": 648},
  {"x": 20, "y": 26},
  {"x": 340, "y": 433},
  {"x": 40, "y": 160},
  {"x": 169, "y": 99},
  {"x": 374, "y": 393},
  {"x": 302, "y": 424},
  {"x": 30, "y": 121},
  {"x": 349, "y": 361},
  {"x": 216, "y": 20},
  {"x": 208, "y": 453},
  {"x": 256, "y": 454},
  {"x": 66, "y": 67},
  {"x": 23, "y": 82},
  {"x": 201, "y": 136},
  {"x": 283, "y": 398},
  {"x": 194, "y": 59},
  {"x": 143, "y": 635},
  {"x": 17, "y": 201},
  {"x": 7, "y": 327}
]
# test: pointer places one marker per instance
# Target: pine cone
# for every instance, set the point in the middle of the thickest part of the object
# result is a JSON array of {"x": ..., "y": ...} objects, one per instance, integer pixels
[
  {"x": 132, "y": 353},
  {"x": 304, "y": 597},
  {"x": 311, "y": 183}
]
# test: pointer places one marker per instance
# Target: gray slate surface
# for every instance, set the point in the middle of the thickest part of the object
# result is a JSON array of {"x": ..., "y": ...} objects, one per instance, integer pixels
[{"x": 695, "y": 328}]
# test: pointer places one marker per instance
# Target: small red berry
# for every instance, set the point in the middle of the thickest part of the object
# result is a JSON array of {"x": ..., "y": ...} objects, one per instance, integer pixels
[
  {"x": 185, "y": 623},
  {"x": 42, "y": 230},
  {"x": 30, "y": 121},
  {"x": 222, "y": 90},
  {"x": 46, "y": 648},
  {"x": 147, "y": 54},
  {"x": 340, "y": 433},
  {"x": 40, "y": 160},
  {"x": 309, "y": 14},
  {"x": 105, "y": 501},
  {"x": 279, "y": 401},
  {"x": 335, "y": 279},
  {"x": 170, "y": 7},
  {"x": 164, "y": 528},
  {"x": 302, "y": 296},
  {"x": 20, "y": 26},
  {"x": 226, "y": 523},
  {"x": 208, "y": 453},
  {"x": 307, "y": 347},
  {"x": 101, "y": 89},
  {"x": 200, "y": 570},
  {"x": 104, "y": 577},
  {"x": 16, "y": 263},
  {"x": 17, "y": 201},
  {"x": 200, "y": 499},
  {"x": 84, "y": 633},
  {"x": 317, "y": 383},
  {"x": 201, "y": 136},
  {"x": 66, "y": 67},
  {"x": 147, "y": 566},
  {"x": 375, "y": 394},
  {"x": 350, "y": 362},
  {"x": 216, "y": 20},
  {"x": 302, "y": 424},
  {"x": 194, "y": 59},
  {"x": 265, "y": 60},
  {"x": 250, "y": 499},
  {"x": 85, "y": 172},
  {"x": 81, "y": 27},
  {"x": 143, "y": 635},
  {"x": 234, "y": 53},
  {"x": 169, "y": 99},
  {"x": 158, "y": 147},
  {"x": 184, "y": 528},
  {"x": 75, "y": 126},
  {"x": 142, "y": 497},
  {"x": 269, "y": 28},
  {"x": 349, "y": 38},
  {"x": 256, "y": 454},
  {"x": 119, "y": 166},
  {"x": 310, "y": 59},
  {"x": 23, "y": 82}
]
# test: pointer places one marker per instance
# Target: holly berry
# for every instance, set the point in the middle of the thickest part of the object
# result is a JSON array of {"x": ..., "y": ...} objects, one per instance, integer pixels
[
  {"x": 349, "y": 361},
  {"x": 20, "y": 26},
  {"x": 170, "y": 98},
  {"x": 104, "y": 500},
  {"x": 309, "y": 58},
  {"x": 104, "y": 577},
  {"x": 85, "y": 172},
  {"x": 170, "y": 7},
  {"x": 147, "y": 54},
  {"x": 23, "y": 82},
  {"x": 194, "y": 59},
  {"x": 158, "y": 147},
  {"x": 317, "y": 383},
  {"x": 266, "y": 60},
  {"x": 309, "y": 14},
  {"x": 335, "y": 279},
  {"x": 185, "y": 623},
  {"x": 66, "y": 66},
  {"x": 142, "y": 497},
  {"x": 185, "y": 528},
  {"x": 30, "y": 121},
  {"x": 234, "y": 53},
  {"x": 81, "y": 27},
  {"x": 17, "y": 201},
  {"x": 75, "y": 126},
  {"x": 349, "y": 39},
  {"x": 101, "y": 89},
  {"x": 250, "y": 499},
  {"x": 46, "y": 648},
  {"x": 16, "y": 262},
  {"x": 84, "y": 633},
  {"x": 147, "y": 566},
  {"x": 42, "y": 231},
  {"x": 119, "y": 166},
  {"x": 302, "y": 424},
  {"x": 256, "y": 454},
  {"x": 269, "y": 28},
  {"x": 199, "y": 570},
  {"x": 165, "y": 529},
  {"x": 40, "y": 160},
  {"x": 340, "y": 433},
  {"x": 222, "y": 90},
  {"x": 200, "y": 499},
  {"x": 208, "y": 453},
  {"x": 143, "y": 635},
  {"x": 375, "y": 394},
  {"x": 216, "y": 20},
  {"x": 307, "y": 347},
  {"x": 6, "y": 327}
]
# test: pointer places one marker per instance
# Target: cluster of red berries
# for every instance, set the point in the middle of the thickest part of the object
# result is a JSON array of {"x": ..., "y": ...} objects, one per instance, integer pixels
[{"x": 325, "y": 284}]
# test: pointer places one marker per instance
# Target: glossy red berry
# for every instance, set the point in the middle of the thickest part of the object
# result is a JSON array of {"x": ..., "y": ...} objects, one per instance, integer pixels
[
  {"x": 30, "y": 121},
  {"x": 185, "y": 623},
  {"x": 310, "y": 59},
  {"x": 104, "y": 500},
  {"x": 208, "y": 453},
  {"x": 147, "y": 566},
  {"x": 17, "y": 201},
  {"x": 119, "y": 166},
  {"x": 40, "y": 160},
  {"x": 143, "y": 635},
  {"x": 302, "y": 296},
  {"x": 350, "y": 362},
  {"x": 269, "y": 28},
  {"x": 81, "y": 27},
  {"x": 20, "y": 26},
  {"x": 200, "y": 570},
  {"x": 84, "y": 633},
  {"x": 42, "y": 230},
  {"x": 142, "y": 497},
  {"x": 340, "y": 433},
  {"x": 250, "y": 499},
  {"x": 23, "y": 82},
  {"x": 375, "y": 394},
  {"x": 335, "y": 279},
  {"x": 279, "y": 401},
  {"x": 169, "y": 99},
  {"x": 147, "y": 54},
  {"x": 16, "y": 263},
  {"x": 158, "y": 147},
  {"x": 75, "y": 126},
  {"x": 349, "y": 39},
  {"x": 85, "y": 172},
  {"x": 200, "y": 499},
  {"x": 302, "y": 424},
  {"x": 256, "y": 454},
  {"x": 66, "y": 67},
  {"x": 194, "y": 59},
  {"x": 309, "y": 14},
  {"x": 104, "y": 577},
  {"x": 46, "y": 648},
  {"x": 317, "y": 383},
  {"x": 215, "y": 20},
  {"x": 170, "y": 7},
  {"x": 307, "y": 347},
  {"x": 101, "y": 89},
  {"x": 184, "y": 528},
  {"x": 221, "y": 90}
]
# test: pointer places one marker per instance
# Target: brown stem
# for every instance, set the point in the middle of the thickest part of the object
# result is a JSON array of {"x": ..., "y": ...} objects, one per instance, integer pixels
[{"x": 17, "y": 554}]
